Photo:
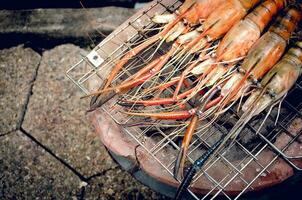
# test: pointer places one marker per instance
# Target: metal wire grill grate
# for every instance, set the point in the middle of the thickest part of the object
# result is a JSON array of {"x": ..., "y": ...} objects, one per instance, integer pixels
[{"x": 254, "y": 152}]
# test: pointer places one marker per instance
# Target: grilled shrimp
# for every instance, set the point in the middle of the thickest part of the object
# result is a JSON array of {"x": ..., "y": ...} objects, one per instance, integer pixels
[
  {"x": 205, "y": 7},
  {"x": 263, "y": 55},
  {"x": 277, "y": 81},
  {"x": 214, "y": 27},
  {"x": 274, "y": 86},
  {"x": 239, "y": 40},
  {"x": 261, "y": 58},
  {"x": 234, "y": 45}
]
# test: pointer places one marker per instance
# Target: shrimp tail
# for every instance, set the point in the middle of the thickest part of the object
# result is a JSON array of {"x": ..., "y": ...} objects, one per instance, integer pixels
[
  {"x": 100, "y": 99},
  {"x": 179, "y": 163},
  {"x": 181, "y": 157}
]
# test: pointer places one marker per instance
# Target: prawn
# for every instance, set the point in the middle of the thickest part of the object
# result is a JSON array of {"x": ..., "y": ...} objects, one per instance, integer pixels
[
  {"x": 263, "y": 55},
  {"x": 214, "y": 27},
  {"x": 234, "y": 45},
  {"x": 274, "y": 87},
  {"x": 189, "y": 8}
]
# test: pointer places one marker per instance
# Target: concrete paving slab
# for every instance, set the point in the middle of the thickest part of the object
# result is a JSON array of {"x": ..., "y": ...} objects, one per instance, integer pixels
[
  {"x": 28, "y": 172},
  {"x": 17, "y": 71},
  {"x": 56, "y": 114}
]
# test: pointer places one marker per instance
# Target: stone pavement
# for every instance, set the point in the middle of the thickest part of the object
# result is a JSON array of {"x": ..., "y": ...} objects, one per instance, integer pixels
[{"x": 48, "y": 149}]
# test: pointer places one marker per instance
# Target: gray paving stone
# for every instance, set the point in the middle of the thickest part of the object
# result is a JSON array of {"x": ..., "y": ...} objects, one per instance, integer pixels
[
  {"x": 17, "y": 69},
  {"x": 28, "y": 172},
  {"x": 56, "y": 114}
]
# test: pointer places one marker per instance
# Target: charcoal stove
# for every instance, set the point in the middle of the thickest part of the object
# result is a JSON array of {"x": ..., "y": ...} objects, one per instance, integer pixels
[{"x": 252, "y": 163}]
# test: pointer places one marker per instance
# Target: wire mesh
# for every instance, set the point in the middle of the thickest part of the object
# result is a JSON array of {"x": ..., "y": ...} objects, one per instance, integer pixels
[{"x": 232, "y": 167}]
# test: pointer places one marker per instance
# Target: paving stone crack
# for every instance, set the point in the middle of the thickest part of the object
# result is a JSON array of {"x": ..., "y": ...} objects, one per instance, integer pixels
[
  {"x": 48, "y": 150},
  {"x": 28, "y": 95},
  {"x": 72, "y": 169},
  {"x": 67, "y": 165},
  {"x": 102, "y": 173},
  {"x": 8, "y": 132}
]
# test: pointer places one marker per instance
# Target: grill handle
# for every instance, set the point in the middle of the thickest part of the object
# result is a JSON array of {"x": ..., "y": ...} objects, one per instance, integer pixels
[{"x": 197, "y": 165}]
